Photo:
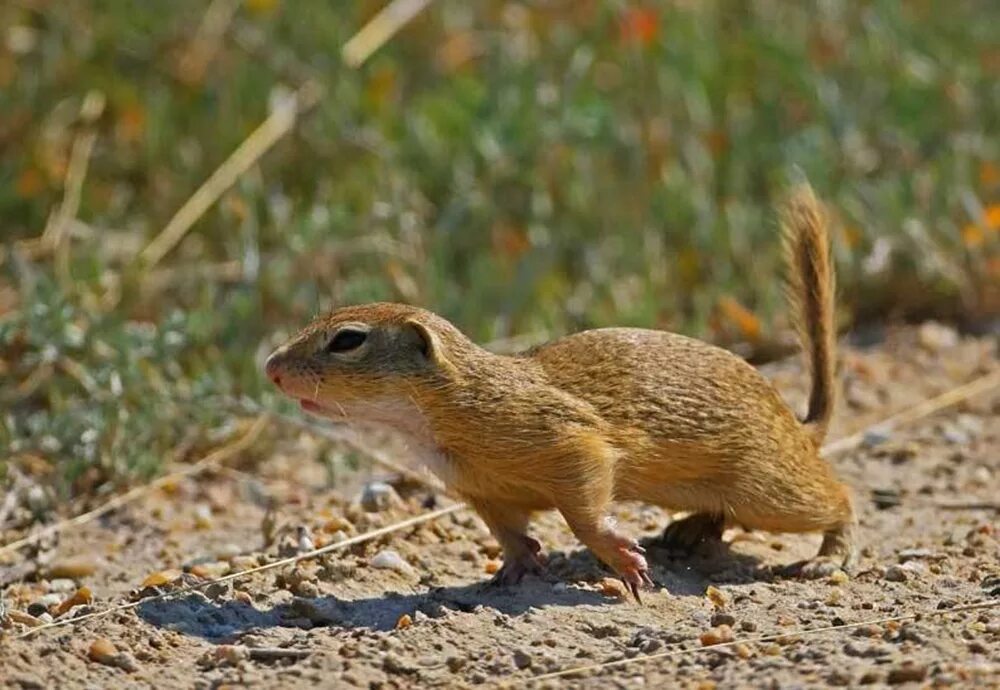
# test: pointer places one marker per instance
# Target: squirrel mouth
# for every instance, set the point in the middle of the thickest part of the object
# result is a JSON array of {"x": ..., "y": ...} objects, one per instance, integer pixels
[{"x": 318, "y": 409}]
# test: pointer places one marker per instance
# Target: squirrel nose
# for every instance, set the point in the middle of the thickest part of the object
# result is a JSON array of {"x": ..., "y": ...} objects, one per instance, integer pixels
[{"x": 272, "y": 367}]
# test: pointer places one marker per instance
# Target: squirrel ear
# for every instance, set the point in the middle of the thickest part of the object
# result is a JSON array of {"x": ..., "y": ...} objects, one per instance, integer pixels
[{"x": 426, "y": 341}]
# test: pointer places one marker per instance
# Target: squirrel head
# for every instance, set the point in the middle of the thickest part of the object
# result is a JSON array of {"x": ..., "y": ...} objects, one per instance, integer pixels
[{"x": 374, "y": 355}]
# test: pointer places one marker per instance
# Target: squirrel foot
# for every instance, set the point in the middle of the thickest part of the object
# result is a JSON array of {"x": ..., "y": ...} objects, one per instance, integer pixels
[
  {"x": 631, "y": 566},
  {"x": 524, "y": 561},
  {"x": 811, "y": 569},
  {"x": 684, "y": 536},
  {"x": 835, "y": 553}
]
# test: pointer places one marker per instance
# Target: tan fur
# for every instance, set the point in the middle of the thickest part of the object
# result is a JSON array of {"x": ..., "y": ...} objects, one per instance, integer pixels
[{"x": 603, "y": 415}]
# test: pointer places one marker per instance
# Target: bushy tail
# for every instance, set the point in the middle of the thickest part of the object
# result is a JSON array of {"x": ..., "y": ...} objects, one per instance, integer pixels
[{"x": 810, "y": 295}]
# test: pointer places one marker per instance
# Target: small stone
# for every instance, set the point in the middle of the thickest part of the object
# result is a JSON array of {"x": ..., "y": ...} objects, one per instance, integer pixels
[
  {"x": 491, "y": 567},
  {"x": 80, "y": 597},
  {"x": 723, "y": 619},
  {"x": 390, "y": 560},
  {"x": 913, "y": 554},
  {"x": 748, "y": 626},
  {"x": 908, "y": 673},
  {"x": 378, "y": 496},
  {"x": 23, "y": 618},
  {"x": 895, "y": 573},
  {"x": 717, "y": 597},
  {"x": 202, "y": 516},
  {"x": 217, "y": 590},
  {"x": 772, "y": 649},
  {"x": 834, "y": 598},
  {"x": 405, "y": 621},
  {"x": 73, "y": 568},
  {"x": 912, "y": 632},
  {"x": 611, "y": 587},
  {"x": 455, "y": 663},
  {"x": 210, "y": 571},
  {"x": 875, "y": 437},
  {"x": 101, "y": 649},
  {"x": 228, "y": 552},
  {"x": 61, "y": 584},
  {"x": 104, "y": 652},
  {"x": 743, "y": 651},
  {"x": 839, "y": 678},
  {"x": 394, "y": 664},
  {"x": 522, "y": 659},
  {"x": 224, "y": 655},
  {"x": 838, "y": 577},
  {"x": 935, "y": 337},
  {"x": 305, "y": 588},
  {"x": 161, "y": 578},
  {"x": 886, "y": 498},
  {"x": 866, "y": 651},
  {"x": 650, "y": 646},
  {"x": 717, "y": 635}
]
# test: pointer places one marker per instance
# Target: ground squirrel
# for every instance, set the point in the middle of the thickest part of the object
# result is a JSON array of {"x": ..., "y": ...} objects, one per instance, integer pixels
[{"x": 602, "y": 415}]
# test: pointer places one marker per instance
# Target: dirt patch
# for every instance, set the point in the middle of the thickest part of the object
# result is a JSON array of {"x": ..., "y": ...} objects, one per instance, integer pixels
[{"x": 411, "y": 608}]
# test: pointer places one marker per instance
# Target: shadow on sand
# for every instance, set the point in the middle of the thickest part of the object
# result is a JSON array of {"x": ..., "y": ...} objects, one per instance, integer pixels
[{"x": 224, "y": 619}]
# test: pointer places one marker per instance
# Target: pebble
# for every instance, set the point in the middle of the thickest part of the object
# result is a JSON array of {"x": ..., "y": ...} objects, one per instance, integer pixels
[
  {"x": 104, "y": 652},
  {"x": 610, "y": 587},
  {"x": 160, "y": 578},
  {"x": 911, "y": 554},
  {"x": 405, "y": 621},
  {"x": 23, "y": 618},
  {"x": 202, "y": 516},
  {"x": 455, "y": 663},
  {"x": 838, "y": 577},
  {"x": 378, "y": 496},
  {"x": 210, "y": 571},
  {"x": 717, "y": 635},
  {"x": 867, "y": 651},
  {"x": 908, "y": 673},
  {"x": 716, "y": 596},
  {"x": 394, "y": 664},
  {"x": 839, "y": 678},
  {"x": 895, "y": 573},
  {"x": 875, "y": 437},
  {"x": 61, "y": 584},
  {"x": 228, "y": 552},
  {"x": 522, "y": 659},
  {"x": 935, "y": 337},
  {"x": 73, "y": 568},
  {"x": 44, "y": 603},
  {"x": 80, "y": 597},
  {"x": 723, "y": 619},
  {"x": 390, "y": 560}
]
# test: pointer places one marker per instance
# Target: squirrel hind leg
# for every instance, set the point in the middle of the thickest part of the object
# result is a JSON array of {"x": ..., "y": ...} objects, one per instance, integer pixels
[{"x": 687, "y": 535}]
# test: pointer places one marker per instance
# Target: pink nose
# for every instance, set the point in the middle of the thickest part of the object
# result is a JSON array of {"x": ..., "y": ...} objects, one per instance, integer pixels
[{"x": 272, "y": 367}]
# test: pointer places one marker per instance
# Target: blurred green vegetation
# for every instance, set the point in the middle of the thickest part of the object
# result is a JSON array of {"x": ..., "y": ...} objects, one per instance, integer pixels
[{"x": 520, "y": 167}]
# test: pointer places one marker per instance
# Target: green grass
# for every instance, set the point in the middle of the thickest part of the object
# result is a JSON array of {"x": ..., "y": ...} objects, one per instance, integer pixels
[{"x": 520, "y": 168}]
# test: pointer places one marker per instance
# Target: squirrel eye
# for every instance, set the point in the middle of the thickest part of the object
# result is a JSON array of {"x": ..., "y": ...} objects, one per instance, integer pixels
[{"x": 345, "y": 340}]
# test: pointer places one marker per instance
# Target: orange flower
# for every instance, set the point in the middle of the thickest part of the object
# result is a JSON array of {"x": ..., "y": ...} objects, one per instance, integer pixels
[
  {"x": 744, "y": 319},
  {"x": 640, "y": 25}
]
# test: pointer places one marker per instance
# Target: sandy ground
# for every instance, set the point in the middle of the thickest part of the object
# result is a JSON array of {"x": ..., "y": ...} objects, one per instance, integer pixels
[{"x": 929, "y": 539}]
